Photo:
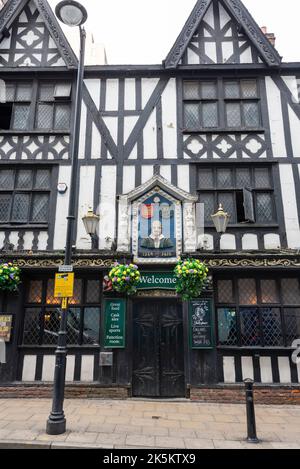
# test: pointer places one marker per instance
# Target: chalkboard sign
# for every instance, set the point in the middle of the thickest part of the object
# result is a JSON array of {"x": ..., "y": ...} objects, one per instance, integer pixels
[
  {"x": 114, "y": 324},
  {"x": 200, "y": 324}
]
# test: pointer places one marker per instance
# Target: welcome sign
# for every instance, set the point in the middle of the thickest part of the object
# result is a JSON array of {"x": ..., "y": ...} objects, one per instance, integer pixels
[{"x": 157, "y": 280}]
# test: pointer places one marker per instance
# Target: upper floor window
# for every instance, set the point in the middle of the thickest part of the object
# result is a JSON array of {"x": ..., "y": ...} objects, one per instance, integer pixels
[
  {"x": 246, "y": 193},
  {"x": 24, "y": 195},
  {"x": 230, "y": 104},
  {"x": 50, "y": 110}
]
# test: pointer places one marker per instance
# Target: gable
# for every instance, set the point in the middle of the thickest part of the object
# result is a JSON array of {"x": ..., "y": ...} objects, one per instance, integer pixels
[
  {"x": 31, "y": 37},
  {"x": 221, "y": 32}
]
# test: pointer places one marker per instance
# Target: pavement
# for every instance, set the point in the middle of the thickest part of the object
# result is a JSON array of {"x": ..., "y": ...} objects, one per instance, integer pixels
[{"x": 147, "y": 424}]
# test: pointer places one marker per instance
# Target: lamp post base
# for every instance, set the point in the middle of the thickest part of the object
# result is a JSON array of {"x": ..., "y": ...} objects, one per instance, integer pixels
[
  {"x": 252, "y": 440},
  {"x": 56, "y": 425}
]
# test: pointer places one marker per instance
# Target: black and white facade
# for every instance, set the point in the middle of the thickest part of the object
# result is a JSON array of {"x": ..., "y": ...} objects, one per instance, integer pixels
[{"x": 217, "y": 122}]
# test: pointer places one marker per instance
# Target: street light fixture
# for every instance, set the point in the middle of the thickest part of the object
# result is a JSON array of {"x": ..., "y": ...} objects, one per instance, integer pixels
[
  {"x": 90, "y": 221},
  {"x": 71, "y": 13},
  {"x": 220, "y": 220}
]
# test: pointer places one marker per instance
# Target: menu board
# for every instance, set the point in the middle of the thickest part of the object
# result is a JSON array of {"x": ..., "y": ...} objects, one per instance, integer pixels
[
  {"x": 114, "y": 326},
  {"x": 200, "y": 324}
]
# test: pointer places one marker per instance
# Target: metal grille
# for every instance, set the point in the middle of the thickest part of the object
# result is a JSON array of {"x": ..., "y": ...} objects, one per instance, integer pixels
[
  {"x": 42, "y": 179},
  {"x": 24, "y": 179},
  {"x": 249, "y": 327},
  {"x": 269, "y": 291},
  {"x": 51, "y": 326},
  {"x": 35, "y": 291},
  {"x": 290, "y": 291},
  {"x": 62, "y": 117},
  {"x": 271, "y": 324},
  {"x": 233, "y": 115},
  {"x": 249, "y": 88},
  {"x": 191, "y": 90},
  {"x": 232, "y": 90},
  {"x": 20, "y": 207},
  {"x": 24, "y": 92},
  {"x": 225, "y": 291},
  {"x": 292, "y": 324},
  {"x": 5, "y": 201},
  {"x": 209, "y": 205},
  {"x": 191, "y": 116},
  {"x": 73, "y": 326},
  {"x": 262, "y": 177},
  {"x": 224, "y": 178},
  {"x": 91, "y": 326},
  {"x": 93, "y": 291},
  {"x": 6, "y": 179},
  {"x": 47, "y": 92},
  {"x": 210, "y": 115},
  {"x": 251, "y": 114},
  {"x": 208, "y": 90},
  {"x": 31, "y": 332},
  {"x": 40, "y": 208},
  {"x": 264, "y": 208},
  {"x": 243, "y": 178},
  {"x": 227, "y": 329},
  {"x": 21, "y": 115},
  {"x": 45, "y": 116},
  {"x": 206, "y": 179},
  {"x": 247, "y": 291}
]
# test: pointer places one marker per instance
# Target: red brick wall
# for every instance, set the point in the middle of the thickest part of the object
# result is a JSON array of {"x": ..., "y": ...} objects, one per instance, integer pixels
[{"x": 71, "y": 391}]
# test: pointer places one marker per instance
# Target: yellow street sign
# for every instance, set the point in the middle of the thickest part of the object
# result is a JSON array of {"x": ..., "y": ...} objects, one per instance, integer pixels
[
  {"x": 64, "y": 303},
  {"x": 64, "y": 285}
]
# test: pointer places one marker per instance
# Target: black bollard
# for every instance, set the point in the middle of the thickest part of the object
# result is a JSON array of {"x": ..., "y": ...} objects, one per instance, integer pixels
[{"x": 251, "y": 425}]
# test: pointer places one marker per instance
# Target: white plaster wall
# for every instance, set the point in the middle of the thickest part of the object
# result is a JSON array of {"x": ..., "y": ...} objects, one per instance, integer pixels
[
  {"x": 107, "y": 206},
  {"x": 169, "y": 119},
  {"x": 43, "y": 241},
  {"x": 112, "y": 95},
  {"x": 183, "y": 177},
  {"x": 14, "y": 239},
  {"x": 284, "y": 370},
  {"x": 150, "y": 137},
  {"x": 96, "y": 143},
  {"x": 276, "y": 119},
  {"x": 128, "y": 179},
  {"x": 291, "y": 82},
  {"x": 148, "y": 86},
  {"x": 28, "y": 239},
  {"x": 29, "y": 366},
  {"x": 209, "y": 16},
  {"x": 81, "y": 151},
  {"x": 291, "y": 215},
  {"x": 227, "y": 50},
  {"x": 130, "y": 94},
  {"x": 94, "y": 86},
  {"x": 165, "y": 171},
  {"x": 70, "y": 368},
  {"x": 2, "y": 237},
  {"x": 227, "y": 242},
  {"x": 247, "y": 368},
  {"x": 266, "y": 370},
  {"x": 86, "y": 201},
  {"x": 229, "y": 370},
  {"x": 48, "y": 367},
  {"x": 246, "y": 56},
  {"x": 224, "y": 17},
  {"x": 295, "y": 132},
  {"x": 192, "y": 57},
  {"x": 112, "y": 125},
  {"x": 147, "y": 173},
  {"x": 272, "y": 241},
  {"x": 210, "y": 49},
  {"x": 129, "y": 123},
  {"x": 87, "y": 368},
  {"x": 249, "y": 242},
  {"x": 62, "y": 203}
]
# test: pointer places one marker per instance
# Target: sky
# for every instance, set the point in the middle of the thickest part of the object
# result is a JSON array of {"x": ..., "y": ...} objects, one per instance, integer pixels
[{"x": 143, "y": 31}]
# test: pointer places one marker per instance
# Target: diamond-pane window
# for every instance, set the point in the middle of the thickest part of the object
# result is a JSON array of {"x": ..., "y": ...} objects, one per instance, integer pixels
[
  {"x": 77, "y": 292},
  {"x": 247, "y": 291},
  {"x": 249, "y": 327},
  {"x": 21, "y": 116},
  {"x": 206, "y": 179},
  {"x": 32, "y": 327},
  {"x": 224, "y": 178},
  {"x": 292, "y": 324},
  {"x": 209, "y": 205},
  {"x": 10, "y": 92},
  {"x": 73, "y": 326},
  {"x": 5, "y": 202},
  {"x": 208, "y": 90},
  {"x": 210, "y": 115},
  {"x": 6, "y": 179},
  {"x": 269, "y": 291},
  {"x": 249, "y": 88},
  {"x": 24, "y": 92},
  {"x": 232, "y": 90},
  {"x": 191, "y": 116},
  {"x": 271, "y": 324},
  {"x": 42, "y": 179},
  {"x": 93, "y": 291},
  {"x": 225, "y": 291},
  {"x": 233, "y": 115},
  {"x": 62, "y": 117},
  {"x": 51, "y": 326},
  {"x": 290, "y": 291},
  {"x": 45, "y": 116},
  {"x": 262, "y": 177},
  {"x": 243, "y": 178},
  {"x": 24, "y": 179},
  {"x": 264, "y": 207},
  {"x": 251, "y": 114},
  {"x": 35, "y": 291},
  {"x": 20, "y": 209},
  {"x": 191, "y": 90},
  {"x": 46, "y": 92},
  {"x": 228, "y": 202},
  {"x": 50, "y": 298},
  {"x": 227, "y": 328},
  {"x": 91, "y": 326},
  {"x": 40, "y": 211}
]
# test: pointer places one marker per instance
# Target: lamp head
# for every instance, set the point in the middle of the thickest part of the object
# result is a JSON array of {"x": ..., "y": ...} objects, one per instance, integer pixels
[
  {"x": 90, "y": 221},
  {"x": 220, "y": 220},
  {"x": 71, "y": 13}
]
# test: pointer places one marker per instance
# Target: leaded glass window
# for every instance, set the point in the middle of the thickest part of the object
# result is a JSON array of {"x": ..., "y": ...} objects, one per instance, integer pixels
[
  {"x": 201, "y": 104},
  {"x": 24, "y": 195}
]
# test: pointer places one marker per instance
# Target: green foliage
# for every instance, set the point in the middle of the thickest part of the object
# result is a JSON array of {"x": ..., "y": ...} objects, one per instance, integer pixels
[
  {"x": 125, "y": 278},
  {"x": 191, "y": 277},
  {"x": 9, "y": 277}
]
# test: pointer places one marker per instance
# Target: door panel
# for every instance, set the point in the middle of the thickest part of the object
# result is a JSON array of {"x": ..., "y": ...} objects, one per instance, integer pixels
[{"x": 158, "y": 363}]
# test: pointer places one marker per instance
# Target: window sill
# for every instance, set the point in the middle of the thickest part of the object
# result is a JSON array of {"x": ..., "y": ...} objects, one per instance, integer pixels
[
  {"x": 242, "y": 226},
  {"x": 20, "y": 226},
  {"x": 224, "y": 131},
  {"x": 35, "y": 132}
]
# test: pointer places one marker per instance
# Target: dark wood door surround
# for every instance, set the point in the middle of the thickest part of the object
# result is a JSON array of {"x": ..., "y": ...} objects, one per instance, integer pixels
[{"x": 158, "y": 353}]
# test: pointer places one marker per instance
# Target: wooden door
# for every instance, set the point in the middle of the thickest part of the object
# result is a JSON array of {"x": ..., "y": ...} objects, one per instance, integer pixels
[{"x": 158, "y": 362}]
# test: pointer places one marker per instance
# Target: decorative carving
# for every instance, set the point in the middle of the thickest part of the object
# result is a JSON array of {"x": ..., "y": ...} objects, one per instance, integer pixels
[
  {"x": 253, "y": 262},
  {"x": 56, "y": 262},
  {"x": 189, "y": 223},
  {"x": 8, "y": 11},
  {"x": 123, "y": 226}
]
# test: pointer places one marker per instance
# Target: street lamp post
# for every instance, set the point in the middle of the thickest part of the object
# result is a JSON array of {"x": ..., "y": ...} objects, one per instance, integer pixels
[
  {"x": 220, "y": 220},
  {"x": 70, "y": 13}
]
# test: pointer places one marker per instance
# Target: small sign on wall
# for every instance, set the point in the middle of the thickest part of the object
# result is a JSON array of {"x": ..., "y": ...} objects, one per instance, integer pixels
[
  {"x": 114, "y": 323},
  {"x": 200, "y": 324},
  {"x": 5, "y": 327}
]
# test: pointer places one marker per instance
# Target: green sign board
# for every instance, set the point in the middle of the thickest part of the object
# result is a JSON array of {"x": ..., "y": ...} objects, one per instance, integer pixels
[
  {"x": 200, "y": 324},
  {"x": 114, "y": 323},
  {"x": 157, "y": 280}
]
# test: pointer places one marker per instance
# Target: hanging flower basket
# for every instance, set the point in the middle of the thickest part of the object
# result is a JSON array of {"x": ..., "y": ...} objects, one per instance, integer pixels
[
  {"x": 191, "y": 275},
  {"x": 9, "y": 277},
  {"x": 125, "y": 278}
]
